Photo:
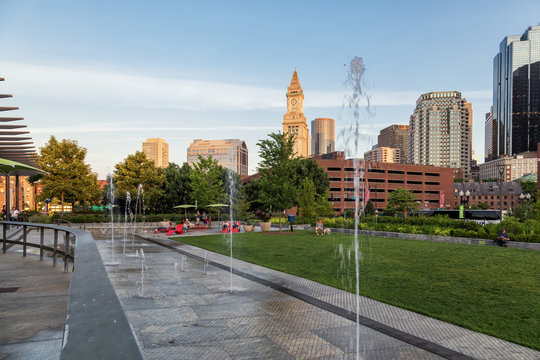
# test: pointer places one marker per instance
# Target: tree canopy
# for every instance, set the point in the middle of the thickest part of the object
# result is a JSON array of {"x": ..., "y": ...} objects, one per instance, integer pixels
[
  {"x": 279, "y": 190},
  {"x": 207, "y": 185},
  {"x": 68, "y": 177},
  {"x": 138, "y": 169},
  {"x": 176, "y": 188},
  {"x": 402, "y": 201}
]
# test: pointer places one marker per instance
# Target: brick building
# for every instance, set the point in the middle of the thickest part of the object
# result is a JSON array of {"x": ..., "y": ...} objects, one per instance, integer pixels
[
  {"x": 433, "y": 186},
  {"x": 488, "y": 192}
]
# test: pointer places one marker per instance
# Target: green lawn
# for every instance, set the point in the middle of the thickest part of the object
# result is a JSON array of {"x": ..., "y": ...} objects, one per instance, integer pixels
[{"x": 488, "y": 289}]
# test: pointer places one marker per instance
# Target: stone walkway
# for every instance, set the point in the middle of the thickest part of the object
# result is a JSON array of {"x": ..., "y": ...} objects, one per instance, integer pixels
[
  {"x": 33, "y": 301},
  {"x": 192, "y": 314},
  {"x": 184, "y": 309}
]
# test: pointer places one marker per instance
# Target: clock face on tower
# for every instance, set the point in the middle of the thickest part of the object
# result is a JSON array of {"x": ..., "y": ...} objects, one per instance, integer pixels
[{"x": 293, "y": 101}]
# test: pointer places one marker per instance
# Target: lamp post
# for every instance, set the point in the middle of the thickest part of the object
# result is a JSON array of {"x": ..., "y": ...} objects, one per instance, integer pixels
[
  {"x": 501, "y": 168},
  {"x": 464, "y": 197}
]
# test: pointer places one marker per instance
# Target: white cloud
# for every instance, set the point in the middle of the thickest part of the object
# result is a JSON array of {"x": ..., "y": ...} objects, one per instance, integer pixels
[
  {"x": 121, "y": 128},
  {"x": 94, "y": 85},
  {"x": 97, "y": 86}
]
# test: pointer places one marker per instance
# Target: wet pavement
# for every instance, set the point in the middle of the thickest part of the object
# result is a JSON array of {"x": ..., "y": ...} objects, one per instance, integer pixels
[
  {"x": 192, "y": 314},
  {"x": 33, "y": 303}
]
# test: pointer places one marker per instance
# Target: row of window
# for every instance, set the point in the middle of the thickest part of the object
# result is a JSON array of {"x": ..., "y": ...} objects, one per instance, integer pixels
[
  {"x": 390, "y": 172},
  {"x": 390, "y": 181}
]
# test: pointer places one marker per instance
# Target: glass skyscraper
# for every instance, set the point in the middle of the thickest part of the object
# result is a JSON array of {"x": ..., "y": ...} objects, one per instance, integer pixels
[{"x": 516, "y": 94}]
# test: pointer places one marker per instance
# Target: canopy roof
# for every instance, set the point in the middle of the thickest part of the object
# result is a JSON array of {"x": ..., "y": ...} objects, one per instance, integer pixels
[{"x": 13, "y": 146}]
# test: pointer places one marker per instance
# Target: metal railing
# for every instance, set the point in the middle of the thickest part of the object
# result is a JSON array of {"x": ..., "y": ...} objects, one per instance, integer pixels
[
  {"x": 66, "y": 253},
  {"x": 94, "y": 313}
]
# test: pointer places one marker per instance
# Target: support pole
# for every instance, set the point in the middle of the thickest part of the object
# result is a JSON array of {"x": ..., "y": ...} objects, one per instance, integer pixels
[
  {"x": 41, "y": 238},
  {"x": 7, "y": 204},
  {"x": 55, "y": 246},
  {"x": 4, "y": 238},
  {"x": 24, "y": 241},
  {"x": 66, "y": 248},
  {"x": 17, "y": 193}
]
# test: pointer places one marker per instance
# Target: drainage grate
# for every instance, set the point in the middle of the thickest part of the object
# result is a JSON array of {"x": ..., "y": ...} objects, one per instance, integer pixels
[{"x": 8, "y": 290}]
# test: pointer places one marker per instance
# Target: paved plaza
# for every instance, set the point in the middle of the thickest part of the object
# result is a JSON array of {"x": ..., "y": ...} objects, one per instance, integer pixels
[
  {"x": 33, "y": 302},
  {"x": 183, "y": 308}
]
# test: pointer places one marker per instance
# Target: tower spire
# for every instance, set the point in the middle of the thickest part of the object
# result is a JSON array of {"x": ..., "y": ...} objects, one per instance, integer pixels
[{"x": 295, "y": 82}]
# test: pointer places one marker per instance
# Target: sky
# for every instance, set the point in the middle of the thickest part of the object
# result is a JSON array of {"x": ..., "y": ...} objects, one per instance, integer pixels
[{"x": 110, "y": 74}]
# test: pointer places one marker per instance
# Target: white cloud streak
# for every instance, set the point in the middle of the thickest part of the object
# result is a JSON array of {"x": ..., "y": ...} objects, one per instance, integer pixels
[{"x": 92, "y": 85}]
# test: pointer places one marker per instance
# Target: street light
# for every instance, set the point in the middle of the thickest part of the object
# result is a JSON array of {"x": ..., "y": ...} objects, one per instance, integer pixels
[
  {"x": 501, "y": 168},
  {"x": 465, "y": 194}
]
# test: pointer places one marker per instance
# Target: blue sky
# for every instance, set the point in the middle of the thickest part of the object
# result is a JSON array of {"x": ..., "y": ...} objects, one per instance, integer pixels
[{"x": 110, "y": 74}]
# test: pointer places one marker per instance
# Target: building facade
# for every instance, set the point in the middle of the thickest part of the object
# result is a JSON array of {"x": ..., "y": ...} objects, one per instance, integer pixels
[
  {"x": 294, "y": 120},
  {"x": 490, "y": 129},
  {"x": 397, "y": 137},
  {"x": 510, "y": 168},
  {"x": 22, "y": 195},
  {"x": 323, "y": 136},
  {"x": 383, "y": 154},
  {"x": 497, "y": 197},
  {"x": 432, "y": 186},
  {"x": 229, "y": 153},
  {"x": 516, "y": 94},
  {"x": 440, "y": 131},
  {"x": 157, "y": 149}
]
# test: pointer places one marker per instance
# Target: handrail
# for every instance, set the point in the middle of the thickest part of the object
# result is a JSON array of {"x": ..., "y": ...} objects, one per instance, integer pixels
[
  {"x": 65, "y": 253},
  {"x": 96, "y": 326}
]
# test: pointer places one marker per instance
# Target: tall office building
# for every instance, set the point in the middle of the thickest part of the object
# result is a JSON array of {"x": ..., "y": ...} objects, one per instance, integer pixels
[
  {"x": 157, "y": 149},
  {"x": 516, "y": 93},
  {"x": 229, "y": 153},
  {"x": 383, "y": 154},
  {"x": 294, "y": 120},
  {"x": 397, "y": 137},
  {"x": 490, "y": 129},
  {"x": 323, "y": 136},
  {"x": 440, "y": 132}
]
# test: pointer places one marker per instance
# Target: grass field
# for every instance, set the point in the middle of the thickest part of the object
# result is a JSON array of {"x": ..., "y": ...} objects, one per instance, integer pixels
[{"x": 492, "y": 290}]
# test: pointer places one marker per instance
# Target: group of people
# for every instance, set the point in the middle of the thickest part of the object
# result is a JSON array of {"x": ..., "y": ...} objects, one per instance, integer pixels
[
  {"x": 14, "y": 213},
  {"x": 205, "y": 218},
  {"x": 188, "y": 225}
]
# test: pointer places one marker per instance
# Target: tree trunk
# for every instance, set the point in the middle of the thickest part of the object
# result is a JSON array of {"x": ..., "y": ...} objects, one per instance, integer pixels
[{"x": 280, "y": 221}]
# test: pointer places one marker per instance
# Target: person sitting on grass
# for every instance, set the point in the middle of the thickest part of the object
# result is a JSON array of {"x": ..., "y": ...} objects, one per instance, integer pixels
[
  {"x": 319, "y": 229},
  {"x": 502, "y": 238}
]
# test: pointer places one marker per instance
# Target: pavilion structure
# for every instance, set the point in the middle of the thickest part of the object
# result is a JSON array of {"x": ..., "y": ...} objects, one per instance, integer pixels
[{"x": 16, "y": 145}]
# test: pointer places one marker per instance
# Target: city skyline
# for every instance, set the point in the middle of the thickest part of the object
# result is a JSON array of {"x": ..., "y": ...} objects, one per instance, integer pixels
[{"x": 224, "y": 77}]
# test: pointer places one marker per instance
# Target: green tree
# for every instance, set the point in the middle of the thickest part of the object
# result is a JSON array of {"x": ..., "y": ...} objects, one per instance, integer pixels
[
  {"x": 68, "y": 177},
  {"x": 176, "y": 189},
  {"x": 278, "y": 189},
  {"x": 401, "y": 200},
  {"x": 369, "y": 209},
  {"x": 306, "y": 200},
  {"x": 308, "y": 168},
  {"x": 207, "y": 182},
  {"x": 135, "y": 170},
  {"x": 323, "y": 206},
  {"x": 278, "y": 149}
]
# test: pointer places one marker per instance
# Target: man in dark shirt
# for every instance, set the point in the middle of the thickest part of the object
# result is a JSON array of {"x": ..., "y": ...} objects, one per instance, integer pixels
[{"x": 502, "y": 238}]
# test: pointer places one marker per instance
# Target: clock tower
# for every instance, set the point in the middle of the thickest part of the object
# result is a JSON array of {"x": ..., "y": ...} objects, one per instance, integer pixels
[{"x": 294, "y": 120}]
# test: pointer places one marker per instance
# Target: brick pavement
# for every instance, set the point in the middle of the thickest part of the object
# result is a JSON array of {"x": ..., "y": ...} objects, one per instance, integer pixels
[{"x": 193, "y": 314}]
